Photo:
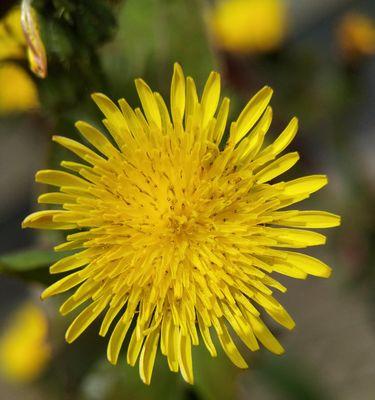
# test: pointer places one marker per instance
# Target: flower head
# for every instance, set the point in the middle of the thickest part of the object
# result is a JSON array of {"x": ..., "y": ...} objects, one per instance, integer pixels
[
  {"x": 356, "y": 35},
  {"x": 176, "y": 238},
  {"x": 249, "y": 26},
  {"x": 18, "y": 91},
  {"x": 24, "y": 350},
  {"x": 12, "y": 40}
]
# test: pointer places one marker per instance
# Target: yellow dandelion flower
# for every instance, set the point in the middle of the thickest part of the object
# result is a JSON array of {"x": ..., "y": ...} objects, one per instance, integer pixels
[
  {"x": 18, "y": 91},
  {"x": 24, "y": 350},
  {"x": 249, "y": 26},
  {"x": 12, "y": 40},
  {"x": 176, "y": 238},
  {"x": 356, "y": 35}
]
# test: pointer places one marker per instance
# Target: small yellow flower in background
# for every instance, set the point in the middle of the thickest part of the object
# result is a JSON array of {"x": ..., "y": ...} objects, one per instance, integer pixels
[
  {"x": 12, "y": 39},
  {"x": 356, "y": 35},
  {"x": 249, "y": 26},
  {"x": 176, "y": 234},
  {"x": 18, "y": 92},
  {"x": 24, "y": 350}
]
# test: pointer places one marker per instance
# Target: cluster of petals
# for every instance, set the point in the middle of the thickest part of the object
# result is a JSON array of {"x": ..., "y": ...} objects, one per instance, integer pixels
[{"x": 179, "y": 231}]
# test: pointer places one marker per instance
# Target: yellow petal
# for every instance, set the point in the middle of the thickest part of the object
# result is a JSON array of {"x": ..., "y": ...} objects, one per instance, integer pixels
[
  {"x": 63, "y": 284},
  {"x": 134, "y": 348},
  {"x": 149, "y": 103},
  {"x": 307, "y": 184},
  {"x": 68, "y": 263},
  {"x": 265, "y": 336},
  {"x": 250, "y": 146},
  {"x": 163, "y": 110},
  {"x": 184, "y": 358},
  {"x": 252, "y": 112},
  {"x": 177, "y": 94},
  {"x": 308, "y": 219},
  {"x": 117, "y": 338},
  {"x": 96, "y": 138},
  {"x": 113, "y": 114},
  {"x": 282, "y": 317},
  {"x": 44, "y": 220},
  {"x": 277, "y": 167},
  {"x": 56, "y": 198},
  {"x": 210, "y": 97},
  {"x": 308, "y": 264},
  {"x": 230, "y": 348},
  {"x": 284, "y": 139},
  {"x": 298, "y": 237},
  {"x": 205, "y": 332},
  {"x": 148, "y": 354},
  {"x": 77, "y": 148},
  {"x": 289, "y": 270},
  {"x": 221, "y": 121},
  {"x": 59, "y": 178},
  {"x": 109, "y": 317},
  {"x": 83, "y": 320},
  {"x": 191, "y": 97}
]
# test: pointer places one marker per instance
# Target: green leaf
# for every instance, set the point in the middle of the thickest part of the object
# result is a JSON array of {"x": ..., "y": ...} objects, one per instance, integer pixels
[{"x": 31, "y": 264}]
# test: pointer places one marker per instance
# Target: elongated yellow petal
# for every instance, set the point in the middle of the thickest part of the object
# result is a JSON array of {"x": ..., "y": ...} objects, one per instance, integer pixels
[
  {"x": 210, "y": 97},
  {"x": 83, "y": 320},
  {"x": 96, "y": 138},
  {"x": 68, "y": 263},
  {"x": 308, "y": 264},
  {"x": 282, "y": 317},
  {"x": 297, "y": 237},
  {"x": 63, "y": 284},
  {"x": 185, "y": 359},
  {"x": 117, "y": 338},
  {"x": 230, "y": 348},
  {"x": 285, "y": 138},
  {"x": 59, "y": 178},
  {"x": 44, "y": 220},
  {"x": 221, "y": 121},
  {"x": 265, "y": 336},
  {"x": 252, "y": 112},
  {"x": 135, "y": 346},
  {"x": 205, "y": 332},
  {"x": 163, "y": 110},
  {"x": 77, "y": 148},
  {"x": 56, "y": 198},
  {"x": 251, "y": 144},
  {"x": 112, "y": 113},
  {"x": 307, "y": 184},
  {"x": 149, "y": 103},
  {"x": 191, "y": 97},
  {"x": 147, "y": 359},
  {"x": 178, "y": 94},
  {"x": 289, "y": 270},
  {"x": 277, "y": 167},
  {"x": 308, "y": 219}
]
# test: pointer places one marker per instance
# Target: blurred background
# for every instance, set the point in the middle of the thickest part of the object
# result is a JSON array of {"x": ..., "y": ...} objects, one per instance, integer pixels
[{"x": 319, "y": 58}]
